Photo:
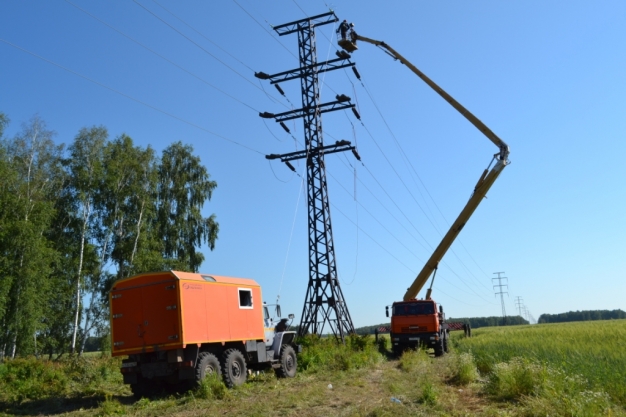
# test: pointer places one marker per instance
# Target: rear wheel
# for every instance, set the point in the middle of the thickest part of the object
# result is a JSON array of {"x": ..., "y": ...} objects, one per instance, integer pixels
[
  {"x": 207, "y": 365},
  {"x": 235, "y": 371},
  {"x": 446, "y": 349},
  {"x": 288, "y": 362}
]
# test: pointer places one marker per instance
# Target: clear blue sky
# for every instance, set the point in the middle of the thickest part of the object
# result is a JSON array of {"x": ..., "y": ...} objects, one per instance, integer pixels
[{"x": 547, "y": 77}]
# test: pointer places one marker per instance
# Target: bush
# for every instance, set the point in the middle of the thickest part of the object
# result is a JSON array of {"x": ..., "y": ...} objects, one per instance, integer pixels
[
  {"x": 211, "y": 388},
  {"x": 516, "y": 378},
  {"x": 543, "y": 390},
  {"x": 328, "y": 354},
  {"x": 465, "y": 371},
  {"x": 30, "y": 378},
  {"x": 413, "y": 360}
]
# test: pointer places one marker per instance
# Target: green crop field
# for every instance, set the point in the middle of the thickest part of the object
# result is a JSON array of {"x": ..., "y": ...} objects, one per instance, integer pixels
[{"x": 593, "y": 350}]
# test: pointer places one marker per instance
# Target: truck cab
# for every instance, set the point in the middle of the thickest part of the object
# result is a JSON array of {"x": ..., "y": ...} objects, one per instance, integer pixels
[{"x": 418, "y": 323}]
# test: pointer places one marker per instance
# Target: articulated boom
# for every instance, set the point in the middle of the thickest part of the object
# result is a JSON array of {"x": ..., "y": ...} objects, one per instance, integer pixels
[{"x": 485, "y": 181}]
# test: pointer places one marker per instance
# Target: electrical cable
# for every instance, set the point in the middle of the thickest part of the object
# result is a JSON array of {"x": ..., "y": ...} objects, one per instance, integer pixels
[
  {"x": 131, "y": 98},
  {"x": 200, "y": 33},
  {"x": 408, "y": 162},
  {"x": 162, "y": 57},
  {"x": 262, "y": 27},
  {"x": 201, "y": 48},
  {"x": 293, "y": 226}
]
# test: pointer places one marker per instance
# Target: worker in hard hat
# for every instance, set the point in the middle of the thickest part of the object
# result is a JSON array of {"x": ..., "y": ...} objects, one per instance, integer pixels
[
  {"x": 352, "y": 34},
  {"x": 343, "y": 28}
]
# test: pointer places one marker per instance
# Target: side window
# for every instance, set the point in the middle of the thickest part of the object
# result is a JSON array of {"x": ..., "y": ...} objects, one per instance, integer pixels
[
  {"x": 266, "y": 313},
  {"x": 245, "y": 298}
]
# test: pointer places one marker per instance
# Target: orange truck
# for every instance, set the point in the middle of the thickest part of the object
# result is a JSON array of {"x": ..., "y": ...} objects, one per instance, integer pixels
[
  {"x": 416, "y": 323},
  {"x": 177, "y": 327}
]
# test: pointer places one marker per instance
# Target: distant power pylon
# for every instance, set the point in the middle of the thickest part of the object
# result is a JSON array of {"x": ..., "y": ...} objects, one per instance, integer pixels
[
  {"x": 519, "y": 303},
  {"x": 500, "y": 286}
]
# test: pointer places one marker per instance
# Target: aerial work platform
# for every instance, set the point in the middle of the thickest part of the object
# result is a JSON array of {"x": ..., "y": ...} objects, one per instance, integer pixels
[{"x": 347, "y": 45}]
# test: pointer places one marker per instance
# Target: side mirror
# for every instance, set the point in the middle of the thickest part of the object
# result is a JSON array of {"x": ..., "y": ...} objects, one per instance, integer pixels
[
  {"x": 291, "y": 316},
  {"x": 387, "y": 311},
  {"x": 441, "y": 309},
  {"x": 278, "y": 315}
]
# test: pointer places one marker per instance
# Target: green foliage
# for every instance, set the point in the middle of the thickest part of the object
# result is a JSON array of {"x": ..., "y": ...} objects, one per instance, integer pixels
[
  {"x": 35, "y": 379},
  {"x": 592, "y": 350},
  {"x": 329, "y": 355},
  {"x": 586, "y": 315},
  {"x": 183, "y": 187},
  {"x": 370, "y": 329},
  {"x": 111, "y": 407},
  {"x": 544, "y": 390},
  {"x": 492, "y": 321},
  {"x": 73, "y": 222},
  {"x": 211, "y": 388},
  {"x": 413, "y": 360},
  {"x": 429, "y": 393},
  {"x": 465, "y": 371}
]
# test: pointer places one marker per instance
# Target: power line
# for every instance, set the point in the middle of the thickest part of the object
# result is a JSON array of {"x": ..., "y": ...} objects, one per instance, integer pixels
[
  {"x": 262, "y": 27},
  {"x": 162, "y": 57},
  {"x": 204, "y": 50},
  {"x": 409, "y": 164},
  {"x": 131, "y": 98},
  {"x": 201, "y": 34}
]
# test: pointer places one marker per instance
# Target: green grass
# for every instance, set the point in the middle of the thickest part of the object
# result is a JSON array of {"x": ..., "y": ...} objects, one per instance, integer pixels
[
  {"x": 592, "y": 350},
  {"x": 498, "y": 372}
]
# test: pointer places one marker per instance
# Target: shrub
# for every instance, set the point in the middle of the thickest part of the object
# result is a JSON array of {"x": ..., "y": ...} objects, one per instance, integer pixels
[
  {"x": 412, "y": 360},
  {"x": 211, "y": 388},
  {"x": 516, "y": 378},
  {"x": 429, "y": 394},
  {"x": 465, "y": 371},
  {"x": 327, "y": 354}
]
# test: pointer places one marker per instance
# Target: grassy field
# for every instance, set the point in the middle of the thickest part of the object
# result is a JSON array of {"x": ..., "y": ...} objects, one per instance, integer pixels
[
  {"x": 594, "y": 350},
  {"x": 498, "y": 372}
]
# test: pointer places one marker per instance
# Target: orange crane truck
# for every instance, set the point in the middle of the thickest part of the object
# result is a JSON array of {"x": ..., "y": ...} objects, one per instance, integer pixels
[
  {"x": 177, "y": 327},
  {"x": 421, "y": 322}
]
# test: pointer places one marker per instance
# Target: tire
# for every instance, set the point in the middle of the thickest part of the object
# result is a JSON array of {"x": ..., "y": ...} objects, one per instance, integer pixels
[
  {"x": 235, "y": 371},
  {"x": 446, "y": 349},
  {"x": 288, "y": 362},
  {"x": 207, "y": 365},
  {"x": 440, "y": 347}
]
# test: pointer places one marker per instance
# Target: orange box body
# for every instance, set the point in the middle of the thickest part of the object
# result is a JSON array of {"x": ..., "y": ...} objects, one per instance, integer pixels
[{"x": 170, "y": 310}]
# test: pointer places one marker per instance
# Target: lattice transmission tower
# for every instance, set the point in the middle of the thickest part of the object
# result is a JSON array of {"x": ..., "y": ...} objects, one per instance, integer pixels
[{"x": 324, "y": 303}]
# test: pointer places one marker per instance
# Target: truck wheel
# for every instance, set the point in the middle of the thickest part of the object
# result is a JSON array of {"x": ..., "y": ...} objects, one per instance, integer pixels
[
  {"x": 207, "y": 365},
  {"x": 445, "y": 344},
  {"x": 235, "y": 371},
  {"x": 288, "y": 362},
  {"x": 439, "y": 348}
]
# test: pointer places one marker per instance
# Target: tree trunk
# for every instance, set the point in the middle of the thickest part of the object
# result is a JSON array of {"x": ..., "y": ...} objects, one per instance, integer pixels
[{"x": 86, "y": 211}]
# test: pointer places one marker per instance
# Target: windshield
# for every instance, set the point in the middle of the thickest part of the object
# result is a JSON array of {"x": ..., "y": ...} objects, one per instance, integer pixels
[{"x": 413, "y": 309}]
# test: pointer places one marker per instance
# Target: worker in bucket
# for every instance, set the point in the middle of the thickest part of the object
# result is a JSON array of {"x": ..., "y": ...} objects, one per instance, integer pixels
[
  {"x": 343, "y": 28},
  {"x": 352, "y": 34}
]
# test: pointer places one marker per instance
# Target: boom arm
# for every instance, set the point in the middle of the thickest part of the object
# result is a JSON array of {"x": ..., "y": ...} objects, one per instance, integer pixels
[{"x": 485, "y": 181}]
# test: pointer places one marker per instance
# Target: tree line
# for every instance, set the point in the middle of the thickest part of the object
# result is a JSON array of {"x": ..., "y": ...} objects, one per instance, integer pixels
[
  {"x": 75, "y": 218},
  {"x": 476, "y": 322},
  {"x": 582, "y": 316}
]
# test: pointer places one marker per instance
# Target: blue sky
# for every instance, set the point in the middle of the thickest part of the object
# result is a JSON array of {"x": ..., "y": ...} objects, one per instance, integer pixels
[{"x": 547, "y": 77}]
